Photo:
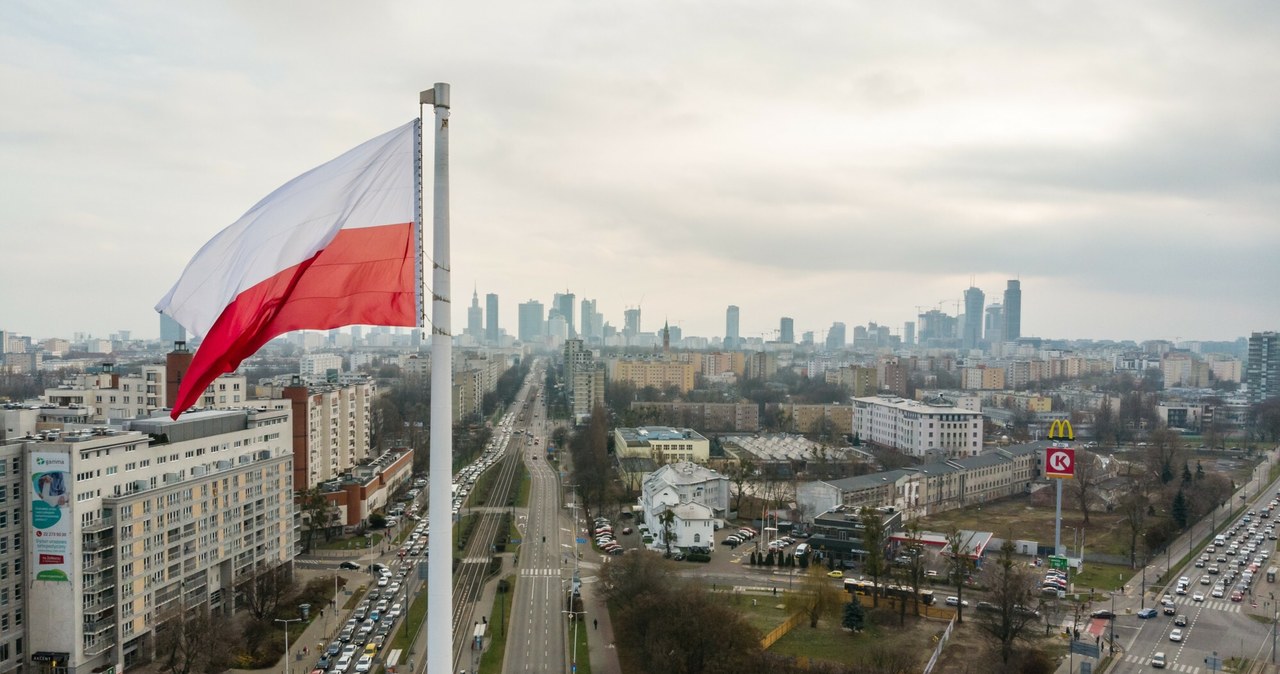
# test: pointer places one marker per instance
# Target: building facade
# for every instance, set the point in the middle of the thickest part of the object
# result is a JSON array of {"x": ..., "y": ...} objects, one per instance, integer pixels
[
  {"x": 1262, "y": 373},
  {"x": 917, "y": 428},
  {"x": 662, "y": 444}
]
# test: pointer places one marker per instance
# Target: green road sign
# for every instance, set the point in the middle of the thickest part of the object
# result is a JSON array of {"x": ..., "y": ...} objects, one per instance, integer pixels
[{"x": 1057, "y": 562}]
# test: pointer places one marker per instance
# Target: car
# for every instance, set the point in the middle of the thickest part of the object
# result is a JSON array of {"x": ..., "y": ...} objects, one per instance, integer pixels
[
  {"x": 349, "y": 566},
  {"x": 1237, "y": 595},
  {"x": 1199, "y": 596},
  {"x": 1103, "y": 613},
  {"x": 1214, "y": 570},
  {"x": 1175, "y": 635},
  {"x": 384, "y": 581},
  {"x": 334, "y": 648},
  {"x": 1204, "y": 580},
  {"x": 955, "y": 601},
  {"x": 1147, "y": 613},
  {"x": 324, "y": 662},
  {"x": 835, "y": 574},
  {"x": 1182, "y": 590},
  {"x": 1170, "y": 609},
  {"x": 1180, "y": 621},
  {"x": 364, "y": 664},
  {"x": 1218, "y": 591},
  {"x": 370, "y": 648},
  {"x": 343, "y": 663},
  {"x": 1157, "y": 660}
]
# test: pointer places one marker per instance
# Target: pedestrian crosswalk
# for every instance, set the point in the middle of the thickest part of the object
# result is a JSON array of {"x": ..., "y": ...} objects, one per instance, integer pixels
[
  {"x": 527, "y": 573},
  {"x": 1223, "y": 605},
  {"x": 1171, "y": 667}
]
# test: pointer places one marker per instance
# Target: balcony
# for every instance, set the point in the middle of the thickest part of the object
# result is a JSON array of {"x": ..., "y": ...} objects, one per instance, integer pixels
[
  {"x": 97, "y": 545},
  {"x": 97, "y": 582},
  {"x": 98, "y": 565},
  {"x": 99, "y": 644},
  {"x": 97, "y": 627},
  {"x": 100, "y": 524}
]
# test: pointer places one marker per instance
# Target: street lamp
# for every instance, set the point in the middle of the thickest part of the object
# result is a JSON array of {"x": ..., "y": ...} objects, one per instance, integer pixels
[{"x": 286, "y": 622}]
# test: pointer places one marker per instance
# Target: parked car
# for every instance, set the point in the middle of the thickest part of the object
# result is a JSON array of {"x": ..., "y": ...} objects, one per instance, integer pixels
[
  {"x": 1148, "y": 613},
  {"x": 955, "y": 601}
]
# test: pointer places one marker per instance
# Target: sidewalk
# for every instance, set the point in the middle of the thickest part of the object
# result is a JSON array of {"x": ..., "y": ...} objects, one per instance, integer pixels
[
  {"x": 600, "y": 641},
  {"x": 1133, "y": 592}
]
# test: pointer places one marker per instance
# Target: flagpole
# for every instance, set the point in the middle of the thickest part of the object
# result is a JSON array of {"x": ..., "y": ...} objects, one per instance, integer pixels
[{"x": 440, "y": 556}]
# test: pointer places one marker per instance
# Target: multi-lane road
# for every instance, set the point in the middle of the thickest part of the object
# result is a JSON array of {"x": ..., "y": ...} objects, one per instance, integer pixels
[
  {"x": 537, "y": 641},
  {"x": 1214, "y": 626}
]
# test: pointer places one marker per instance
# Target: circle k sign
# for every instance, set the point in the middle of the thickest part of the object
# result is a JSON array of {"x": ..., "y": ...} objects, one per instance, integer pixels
[{"x": 1060, "y": 462}]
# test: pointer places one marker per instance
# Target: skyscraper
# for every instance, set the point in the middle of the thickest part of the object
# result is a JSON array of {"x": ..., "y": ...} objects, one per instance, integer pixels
[
  {"x": 732, "y": 338},
  {"x": 564, "y": 303},
  {"x": 475, "y": 317},
  {"x": 1262, "y": 372},
  {"x": 787, "y": 330},
  {"x": 588, "y": 319},
  {"x": 491, "y": 333},
  {"x": 170, "y": 331},
  {"x": 836, "y": 337},
  {"x": 995, "y": 323},
  {"x": 909, "y": 333},
  {"x": 1012, "y": 311},
  {"x": 631, "y": 322},
  {"x": 974, "y": 300},
  {"x": 531, "y": 327}
]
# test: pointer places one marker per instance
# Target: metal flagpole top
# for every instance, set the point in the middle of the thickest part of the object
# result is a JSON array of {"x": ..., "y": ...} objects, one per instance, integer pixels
[{"x": 437, "y": 96}]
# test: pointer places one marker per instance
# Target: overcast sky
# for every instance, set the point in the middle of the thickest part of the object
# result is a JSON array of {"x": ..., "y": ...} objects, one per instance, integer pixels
[{"x": 830, "y": 161}]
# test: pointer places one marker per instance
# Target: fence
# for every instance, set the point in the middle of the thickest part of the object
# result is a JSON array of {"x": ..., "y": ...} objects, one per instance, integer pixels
[
  {"x": 942, "y": 642},
  {"x": 781, "y": 630}
]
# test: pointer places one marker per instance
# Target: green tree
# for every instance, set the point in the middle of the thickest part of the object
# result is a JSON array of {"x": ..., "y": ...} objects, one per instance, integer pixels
[
  {"x": 854, "y": 616},
  {"x": 1186, "y": 472},
  {"x": 873, "y": 540},
  {"x": 1179, "y": 509},
  {"x": 317, "y": 513},
  {"x": 667, "y": 519}
]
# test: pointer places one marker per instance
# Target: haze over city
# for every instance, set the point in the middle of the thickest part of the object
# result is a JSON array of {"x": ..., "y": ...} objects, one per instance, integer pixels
[{"x": 839, "y": 163}]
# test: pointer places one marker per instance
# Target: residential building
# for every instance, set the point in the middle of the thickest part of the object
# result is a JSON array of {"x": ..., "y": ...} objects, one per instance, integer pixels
[
  {"x": 368, "y": 488},
  {"x": 1262, "y": 372},
  {"x": 917, "y": 428},
  {"x": 812, "y": 418},
  {"x": 13, "y": 588},
  {"x": 982, "y": 378},
  {"x": 659, "y": 374},
  {"x": 134, "y": 525},
  {"x": 332, "y": 429},
  {"x": 315, "y": 367},
  {"x": 663, "y": 444},
  {"x": 861, "y": 381}
]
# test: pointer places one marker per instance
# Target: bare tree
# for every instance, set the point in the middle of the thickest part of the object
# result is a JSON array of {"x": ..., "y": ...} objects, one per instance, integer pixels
[
  {"x": 193, "y": 642},
  {"x": 1084, "y": 486},
  {"x": 958, "y": 567},
  {"x": 738, "y": 476},
  {"x": 1163, "y": 454},
  {"x": 1013, "y": 598},
  {"x": 873, "y": 541},
  {"x": 264, "y": 590},
  {"x": 1134, "y": 505}
]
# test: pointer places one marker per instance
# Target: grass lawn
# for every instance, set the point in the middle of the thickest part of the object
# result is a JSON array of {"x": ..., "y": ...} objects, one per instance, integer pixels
[
  {"x": 584, "y": 658},
  {"x": 764, "y": 615},
  {"x": 523, "y": 479},
  {"x": 356, "y": 596},
  {"x": 412, "y": 622},
  {"x": 491, "y": 661},
  {"x": 1106, "y": 532},
  {"x": 352, "y": 543},
  {"x": 1102, "y": 577},
  {"x": 830, "y": 642}
]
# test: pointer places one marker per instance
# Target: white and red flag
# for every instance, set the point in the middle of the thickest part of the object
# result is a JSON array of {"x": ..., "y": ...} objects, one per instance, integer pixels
[{"x": 335, "y": 246}]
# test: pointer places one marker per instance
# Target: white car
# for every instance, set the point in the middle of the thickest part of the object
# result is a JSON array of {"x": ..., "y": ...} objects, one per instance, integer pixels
[
  {"x": 365, "y": 663},
  {"x": 1199, "y": 596},
  {"x": 1175, "y": 635}
]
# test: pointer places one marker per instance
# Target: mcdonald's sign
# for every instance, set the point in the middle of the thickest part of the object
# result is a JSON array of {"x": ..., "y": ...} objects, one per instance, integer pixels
[{"x": 1060, "y": 429}]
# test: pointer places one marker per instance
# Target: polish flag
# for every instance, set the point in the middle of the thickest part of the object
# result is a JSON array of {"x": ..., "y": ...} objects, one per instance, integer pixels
[{"x": 335, "y": 246}]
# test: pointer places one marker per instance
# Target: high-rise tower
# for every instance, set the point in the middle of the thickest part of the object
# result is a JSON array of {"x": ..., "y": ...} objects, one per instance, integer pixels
[
  {"x": 974, "y": 299},
  {"x": 491, "y": 333},
  {"x": 531, "y": 326},
  {"x": 563, "y": 302},
  {"x": 732, "y": 338},
  {"x": 1012, "y": 311},
  {"x": 787, "y": 330},
  {"x": 475, "y": 317},
  {"x": 1262, "y": 373}
]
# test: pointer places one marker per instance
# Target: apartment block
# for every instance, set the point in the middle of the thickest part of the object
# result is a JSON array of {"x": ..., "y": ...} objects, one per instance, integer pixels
[
  {"x": 332, "y": 429},
  {"x": 128, "y": 526},
  {"x": 703, "y": 416},
  {"x": 810, "y": 418},
  {"x": 659, "y": 374}
]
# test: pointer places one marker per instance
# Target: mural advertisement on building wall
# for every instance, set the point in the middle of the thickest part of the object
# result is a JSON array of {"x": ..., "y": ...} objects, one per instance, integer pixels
[{"x": 51, "y": 516}]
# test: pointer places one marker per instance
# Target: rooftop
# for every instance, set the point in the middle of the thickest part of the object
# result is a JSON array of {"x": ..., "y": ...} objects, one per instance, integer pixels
[{"x": 645, "y": 434}]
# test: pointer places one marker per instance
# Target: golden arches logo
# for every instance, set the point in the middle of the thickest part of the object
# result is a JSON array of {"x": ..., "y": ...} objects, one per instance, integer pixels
[{"x": 1061, "y": 429}]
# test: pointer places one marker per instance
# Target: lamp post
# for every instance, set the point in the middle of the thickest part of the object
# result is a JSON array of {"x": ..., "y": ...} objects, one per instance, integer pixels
[
  {"x": 1113, "y": 621},
  {"x": 287, "y": 654}
]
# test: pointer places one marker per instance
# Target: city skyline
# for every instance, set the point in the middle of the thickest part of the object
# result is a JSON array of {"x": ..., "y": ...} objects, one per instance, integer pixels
[{"x": 834, "y": 165}]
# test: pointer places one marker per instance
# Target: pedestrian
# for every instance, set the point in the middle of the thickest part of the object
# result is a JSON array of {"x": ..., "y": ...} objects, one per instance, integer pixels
[{"x": 595, "y": 624}]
